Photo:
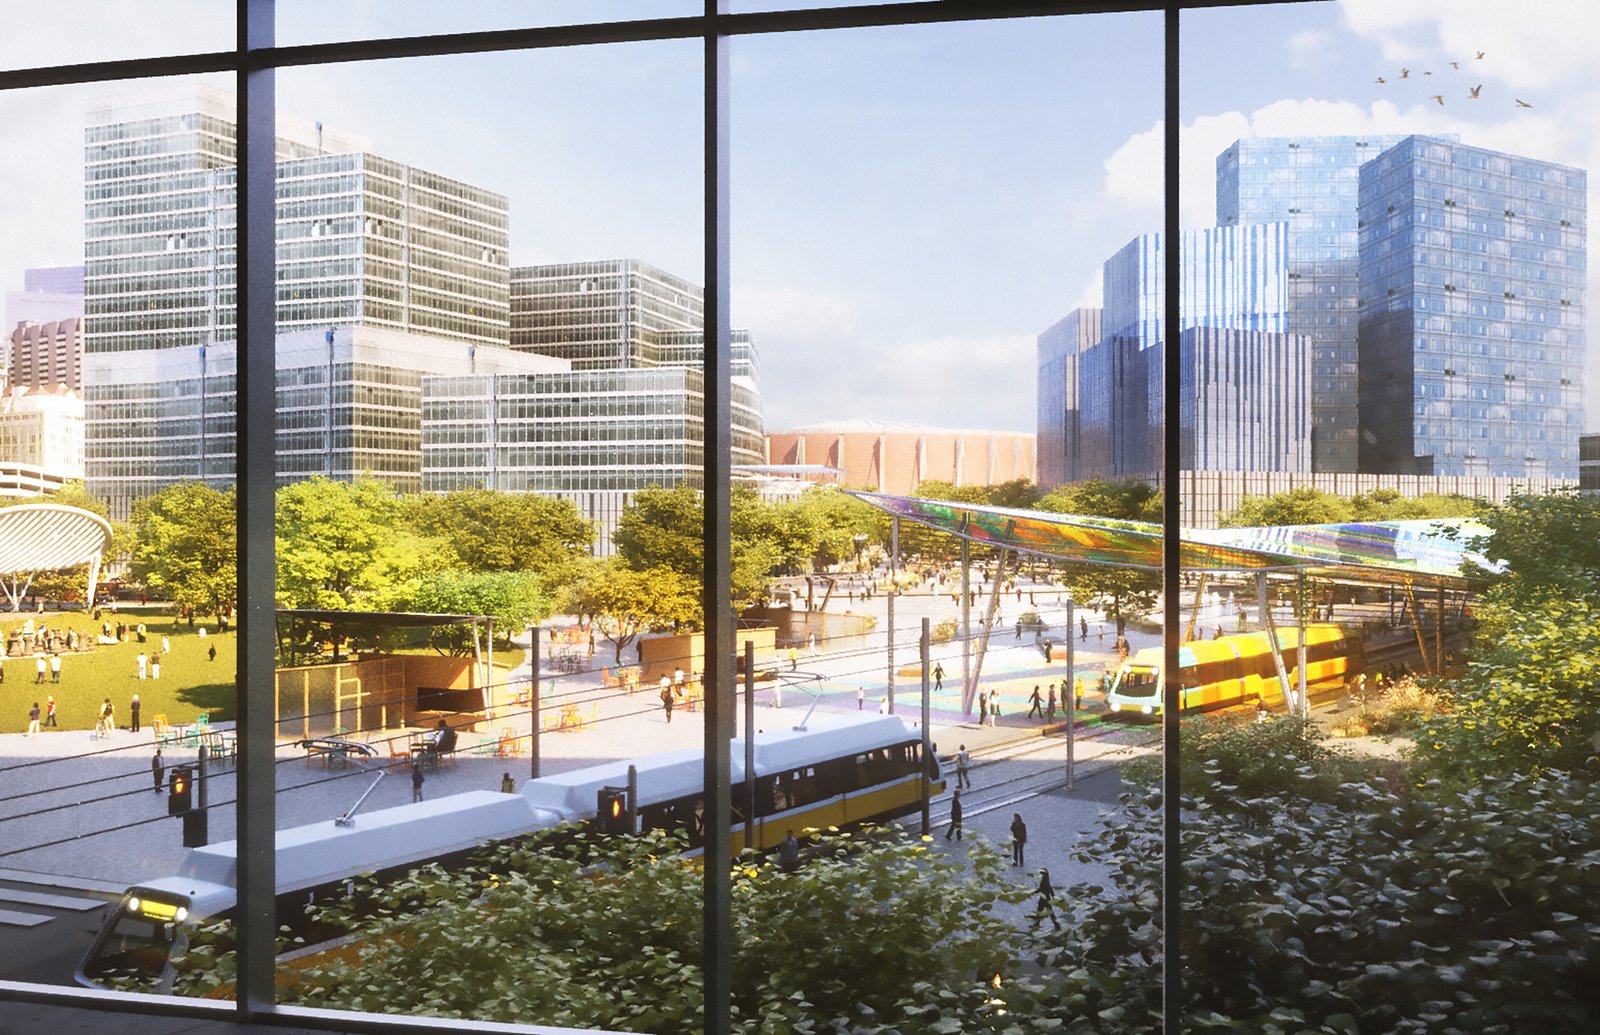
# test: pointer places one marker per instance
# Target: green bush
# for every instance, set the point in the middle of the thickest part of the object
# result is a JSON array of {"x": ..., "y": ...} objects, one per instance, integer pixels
[{"x": 943, "y": 632}]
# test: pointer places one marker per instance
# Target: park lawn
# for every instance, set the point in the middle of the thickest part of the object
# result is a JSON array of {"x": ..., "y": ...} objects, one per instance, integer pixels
[{"x": 189, "y": 683}]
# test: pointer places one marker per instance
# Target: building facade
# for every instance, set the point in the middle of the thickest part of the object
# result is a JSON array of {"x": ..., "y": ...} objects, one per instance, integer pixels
[
  {"x": 41, "y": 355},
  {"x": 888, "y": 456},
  {"x": 1472, "y": 317},
  {"x": 1059, "y": 350},
  {"x": 1311, "y": 185},
  {"x": 1244, "y": 400},
  {"x": 41, "y": 431},
  {"x": 349, "y": 405},
  {"x": 1589, "y": 462}
]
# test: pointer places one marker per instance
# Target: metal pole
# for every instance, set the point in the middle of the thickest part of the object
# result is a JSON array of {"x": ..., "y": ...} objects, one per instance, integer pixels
[
  {"x": 533, "y": 709},
  {"x": 966, "y": 628},
  {"x": 254, "y": 688},
  {"x": 1272, "y": 638},
  {"x": 894, "y": 571},
  {"x": 1171, "y": 556},
  {"x": 1072, "y": 698},
  {"x": 752, "y": 836},
  {"x": 988, "y": 621},
  {"x": 633, "y": 799},
  {"x": 927, "y": 699}
]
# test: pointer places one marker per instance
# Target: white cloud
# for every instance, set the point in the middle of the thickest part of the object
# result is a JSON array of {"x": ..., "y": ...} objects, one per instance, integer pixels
[
  {"x": 1308, "y": 48},
  {"x": 1527, "y": 47}
]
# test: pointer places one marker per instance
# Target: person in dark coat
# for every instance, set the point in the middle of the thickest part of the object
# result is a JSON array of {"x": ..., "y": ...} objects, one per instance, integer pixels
[
  {"x": 789, "y": 853},
  {"x": 416, "y": 783},
  {"x": 1036, "y": 700},
  {"x": 1047, "y": 900},
  {"x": 983, "y": 709},
  {"x": 133, "y": 714},
  {"x": 446, "y": 742},
  {"x": 155, "y": 769},
  {"x": 1019, "y": 838},
  {"x": 955, "y": 816}
]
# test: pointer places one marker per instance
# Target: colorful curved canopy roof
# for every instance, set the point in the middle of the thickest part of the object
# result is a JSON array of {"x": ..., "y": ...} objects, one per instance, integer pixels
[{"x": 1432, "y": 550}]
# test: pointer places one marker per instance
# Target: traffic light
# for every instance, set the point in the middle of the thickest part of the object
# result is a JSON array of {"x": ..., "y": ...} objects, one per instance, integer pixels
[
  {"x": 180, "y": 790},
  {"x": 611, "y": 810},
  {"x": 195, "y": 829}
]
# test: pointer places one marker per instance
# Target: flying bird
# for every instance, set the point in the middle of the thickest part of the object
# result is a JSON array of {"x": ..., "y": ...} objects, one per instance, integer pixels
[
  {"x": 1405, "y": 73},
  {"x": 1456, "y": 65},
  {"x": 1472, "y": 93},
  {"x": 1380, "y": 80},
  {"x": 1479, "y": 57},
  {"x": 1427, "y": 73},
  {"x": 1438, "y": 97},
  {"x": 1522, "y": 103}
]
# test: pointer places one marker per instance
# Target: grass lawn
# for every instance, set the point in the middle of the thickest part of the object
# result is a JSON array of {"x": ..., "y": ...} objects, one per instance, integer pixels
[{"x": 189, "y": 683}]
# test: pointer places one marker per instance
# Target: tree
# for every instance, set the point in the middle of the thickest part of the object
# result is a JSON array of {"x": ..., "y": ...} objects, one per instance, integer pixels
[
  {"x": 502, "y": 531},
  {"x": 1126, "y": 500},
  {"x": 834, "y": 522},
  {"x": 1121, "y": 593},
  {"x": 186, "y": 545},
  {"x": 514, "y": 599},
  {"x": 627, "y": 602},
  {"x": 663, "y": 528},
  {"x": 1302, "y": 506},
  {"x": 343, "y": 546},
  {"x": 1389, "y": 505}
]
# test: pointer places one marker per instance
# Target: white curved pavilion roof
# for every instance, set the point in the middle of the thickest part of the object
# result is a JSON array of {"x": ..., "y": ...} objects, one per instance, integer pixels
[{"x": 48, "y": 536}]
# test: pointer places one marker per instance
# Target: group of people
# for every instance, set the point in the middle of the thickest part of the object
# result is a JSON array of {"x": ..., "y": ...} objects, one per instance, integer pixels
[{"x": 1046, "y": 892}]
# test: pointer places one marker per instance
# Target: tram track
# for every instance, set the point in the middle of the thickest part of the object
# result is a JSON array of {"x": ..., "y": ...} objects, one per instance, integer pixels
[{"x": 1009, "y": 791}]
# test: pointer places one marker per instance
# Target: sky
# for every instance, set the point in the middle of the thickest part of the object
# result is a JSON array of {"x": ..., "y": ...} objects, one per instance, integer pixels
[{"x": 910, "y": 206}]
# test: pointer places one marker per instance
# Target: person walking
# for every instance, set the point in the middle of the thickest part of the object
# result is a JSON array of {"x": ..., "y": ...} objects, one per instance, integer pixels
[
  {"x": 50, "y": 712},
  {"x": 33, "y": 720},
  {"x": 1083, "y": 629},
  {"x": 55, "y": 668},
  {"x": 962, "y": 761},
  {"x": 666, "y": 698},
  {"x": 955, "y": 816},
  {"x": 133, "y": 714},
  {"x": 1047, "y": 900},
  {"x": 983, "y": 709},
  {"x": 794, "y": 659},
  {"x": 38, "y": 670},
  {"x": 994, "y": 707},
  {"x": 155, "y": 769},
  {"x": 107, "y": 721},
  {"x": 507, "y": 785},
  {"x": 1049, "y": 652},
  {"x": 155, "y": 666},
  {"x": 211, "y": 652},
  {"x": 166, "y": 645},
  {"x": 144, "y": 665},
  {"x": 938, "y": 676},
  {"x": 1019, "y": 838},
  {"x": 1036, "y": 700},
  {"x": 416, "y": 783},
  {"x": 1050, "y": 705},
  {"x": 861, "y": 698}
]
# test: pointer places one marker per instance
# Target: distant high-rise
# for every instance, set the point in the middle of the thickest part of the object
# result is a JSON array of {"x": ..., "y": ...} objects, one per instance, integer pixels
[
  {"x": 1472, "y": 312},
  {"x": 1310, "y": 183},
  {"x": 1234, "y": 278},
  {"x": 49, "y": 294},
  {"x": 1057, "y": 420},
  {"x": 44, "y": 355},
  {"x": 361, "y": 241}
]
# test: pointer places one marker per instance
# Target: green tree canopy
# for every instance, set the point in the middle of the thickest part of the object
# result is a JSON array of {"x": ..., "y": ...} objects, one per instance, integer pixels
[
  {"x": 514, "y": 599},
  {"x": 501, "y": 531},
  {"x": 626, "y": 601},
  {"x": 186, "y": 545},
  {"x": 345, "y": 546},
  {"x": 1126, "y": 500},
  {"x": 1121, "y": 593},
  {"x": 1302, "y": 506}
]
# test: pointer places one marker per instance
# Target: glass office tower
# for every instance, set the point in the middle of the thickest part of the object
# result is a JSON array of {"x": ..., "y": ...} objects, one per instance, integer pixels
[
  {"x": 1472, "y": 312},
  {"x": 1057, "y": 421},
  {"x": 1310, "y": 183}
]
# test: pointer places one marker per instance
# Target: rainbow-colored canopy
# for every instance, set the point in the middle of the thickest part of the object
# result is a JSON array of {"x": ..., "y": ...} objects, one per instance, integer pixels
[{"x": 1433, "y": 550}]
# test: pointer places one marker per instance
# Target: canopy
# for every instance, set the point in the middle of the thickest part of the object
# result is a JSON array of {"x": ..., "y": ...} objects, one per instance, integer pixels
[
  {"x": 37, "y": 537},
  {"x": 1434, "y": 550}
]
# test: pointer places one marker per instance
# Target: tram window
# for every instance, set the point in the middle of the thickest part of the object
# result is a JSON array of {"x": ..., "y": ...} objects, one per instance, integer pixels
[{"x": 655, "y": 817}]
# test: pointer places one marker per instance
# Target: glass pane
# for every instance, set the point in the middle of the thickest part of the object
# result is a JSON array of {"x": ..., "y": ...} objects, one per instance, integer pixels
[
  {"x": 118, "y": 271},
  {"x": 919, "y": 253},
  {"x": 106, "y": 30},
  {"x": 309, "y": 21},
  {"x": 1404, "y": 369},
  {"x": 488, "y": 348}
]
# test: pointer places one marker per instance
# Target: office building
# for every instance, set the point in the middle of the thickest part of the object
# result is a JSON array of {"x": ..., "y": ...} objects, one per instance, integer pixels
[
  {"x": 349, "y": 405},
  {"x": 1472, "y": 312},
  {"x": 42, "y": 355},
  {"x": 41, "y": 431},
  {"x": 1243, "y": 400},
  {"x": 1310, "y": 184},
  {"x": 1234, "y": 278},
  {"x": 894, "y": 457},
  {"x": 1059, "y": 350},
  {"x": 361, "y": 241},
  {"x": 49, "y": 294}
]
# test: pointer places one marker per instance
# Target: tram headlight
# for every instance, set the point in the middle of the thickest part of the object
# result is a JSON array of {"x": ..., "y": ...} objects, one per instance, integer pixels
[
  {"x": 183, "y": 914},
  {"x": 1146, "y": 709},
  {"x": 134, "y": 905}
]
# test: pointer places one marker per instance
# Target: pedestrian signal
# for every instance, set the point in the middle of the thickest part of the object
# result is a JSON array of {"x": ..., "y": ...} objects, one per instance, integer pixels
[
  {"x": 180, "y": 790},
  {"x": 611, "y": 810}
]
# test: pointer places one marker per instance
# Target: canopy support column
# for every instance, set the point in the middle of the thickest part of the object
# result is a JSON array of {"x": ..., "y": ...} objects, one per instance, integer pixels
[
  {"x": 988, "y": 620},
  {"x": 1416, "y": 627},
  {"x": 1272, "y": 637}
]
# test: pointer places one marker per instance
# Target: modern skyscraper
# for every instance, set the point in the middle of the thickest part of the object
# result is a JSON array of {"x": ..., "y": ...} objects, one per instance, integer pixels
[
  {"x": 362, "y": 240},
  {"x": 1234, "y": 278},
  {"x": 1057, "y": 436},
  {"x": 1310, "y": 183},
  {"x": 1472, "y": 312}
]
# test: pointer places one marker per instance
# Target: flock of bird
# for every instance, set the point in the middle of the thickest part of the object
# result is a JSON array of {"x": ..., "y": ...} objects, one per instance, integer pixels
[{"x": 1472, "y": 91}]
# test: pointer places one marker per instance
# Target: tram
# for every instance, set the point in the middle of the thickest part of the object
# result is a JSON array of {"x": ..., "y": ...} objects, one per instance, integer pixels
[
  {"x": 1236, "y": 670},
  {"x": 835, "y": 772}
]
